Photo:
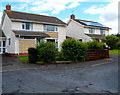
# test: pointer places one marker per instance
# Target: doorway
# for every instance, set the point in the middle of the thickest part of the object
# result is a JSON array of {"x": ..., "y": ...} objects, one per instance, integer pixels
[{"x": 2, "y": 47}]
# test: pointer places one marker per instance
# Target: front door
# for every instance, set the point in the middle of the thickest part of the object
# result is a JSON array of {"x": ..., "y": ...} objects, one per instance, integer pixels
[{"x": 2, "y": 47}]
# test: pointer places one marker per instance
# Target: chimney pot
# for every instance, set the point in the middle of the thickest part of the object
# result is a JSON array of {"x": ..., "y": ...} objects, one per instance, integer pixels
[
  {"x": 72, "y": 16},
  {"x": 8, "y": 7}
]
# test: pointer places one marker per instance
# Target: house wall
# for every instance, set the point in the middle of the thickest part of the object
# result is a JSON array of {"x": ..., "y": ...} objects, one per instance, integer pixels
[
  {"x": 97, "y": 31},
  {"x": 24, "y": 44},
  {"x": 6, "y": 26},
  {"x": 76, "y": 31},
  {"x": 60, "y": 34}
]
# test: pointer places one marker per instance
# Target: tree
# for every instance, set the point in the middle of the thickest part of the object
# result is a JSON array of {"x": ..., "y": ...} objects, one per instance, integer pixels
[{"x": 111, "y": 41}]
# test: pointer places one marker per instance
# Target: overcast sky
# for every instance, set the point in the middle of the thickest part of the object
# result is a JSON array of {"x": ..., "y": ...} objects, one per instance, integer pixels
[{"x": 103, "y": 11}]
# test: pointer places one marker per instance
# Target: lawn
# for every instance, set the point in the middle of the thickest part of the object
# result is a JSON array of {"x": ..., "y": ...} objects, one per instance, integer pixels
[
  {"x": 23, "y": 59},
  {"x": 114, "y": 51},
  {"x": 26, "y": 60}
]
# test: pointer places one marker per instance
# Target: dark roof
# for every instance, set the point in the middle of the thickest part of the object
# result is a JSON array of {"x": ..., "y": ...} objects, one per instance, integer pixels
[
  {"x": 1, "y": 33},
  {"x": 30, "y": 33},
  {"x": 96, "y": 35},
  {"x": 34, "y": 17},
  {"x": 90, "y": 23}
]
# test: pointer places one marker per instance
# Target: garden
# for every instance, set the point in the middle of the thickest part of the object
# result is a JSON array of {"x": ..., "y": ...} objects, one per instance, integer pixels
[{"x": 73, "y": 51}]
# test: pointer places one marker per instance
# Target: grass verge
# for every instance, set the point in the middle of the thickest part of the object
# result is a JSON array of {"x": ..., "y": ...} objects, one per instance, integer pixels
[
  {"x": 114, "y": 51},
  {"x": 23, "y": 59}
]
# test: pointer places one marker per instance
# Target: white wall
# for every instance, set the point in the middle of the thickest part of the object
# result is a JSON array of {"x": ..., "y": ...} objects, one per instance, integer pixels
[
  {"x": 9, "y": 34},
  {"x": 97, "y": 31},
  {"x": 18, "y": 26},
  {"x": 76, "y": 31},
  {"x": 61, "y": 36}
]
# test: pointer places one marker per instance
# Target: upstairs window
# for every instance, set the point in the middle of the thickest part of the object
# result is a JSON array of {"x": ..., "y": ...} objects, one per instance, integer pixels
[
  {"x": 27, "y": 26},
  {"x": 102, "y": 31},
  {"x": 9, "y": 41},
  {"x": 91, "y": 30},
  {"x": 51, "y": 28}
]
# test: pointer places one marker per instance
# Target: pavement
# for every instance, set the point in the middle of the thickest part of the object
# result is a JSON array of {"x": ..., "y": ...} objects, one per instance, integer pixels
[
  {"x": 100, "y": 76},
  {"x": 12, "y": 63}
]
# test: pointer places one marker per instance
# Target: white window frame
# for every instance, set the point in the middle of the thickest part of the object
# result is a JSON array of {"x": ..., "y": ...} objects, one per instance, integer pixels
[
  {"x": 91, "y": 31},
  {"x": 102, "y": 31},
  {"x": 45, "y": 26},
  {"x": 25, "y": 26},
  {"x": 2, "y": 47}
]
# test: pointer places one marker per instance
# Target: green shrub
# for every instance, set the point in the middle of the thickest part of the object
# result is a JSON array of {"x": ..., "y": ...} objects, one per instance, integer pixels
[
  {"x": 46, "y": 51},
  {"x": 33, "y": 55},
  {"x": 111, "y": 41},
  {"x": 74, "y": 50},
  {"x": 60, "y": 57},
  {"x": 95, "y": 45},
  {"x": 118, "y": 45}
]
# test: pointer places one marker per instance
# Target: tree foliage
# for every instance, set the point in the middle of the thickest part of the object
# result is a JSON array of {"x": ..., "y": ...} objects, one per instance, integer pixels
[{"x": 110, "y": 40}]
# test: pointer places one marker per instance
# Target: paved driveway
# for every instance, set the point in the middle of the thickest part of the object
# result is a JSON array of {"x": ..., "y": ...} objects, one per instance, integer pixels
[{"x": 92, "y": 79}]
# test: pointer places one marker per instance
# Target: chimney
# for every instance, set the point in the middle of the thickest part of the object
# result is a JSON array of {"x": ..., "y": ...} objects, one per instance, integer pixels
[
  {"x": 8, "y": 7},
  {"x": 72, "y": 16}
]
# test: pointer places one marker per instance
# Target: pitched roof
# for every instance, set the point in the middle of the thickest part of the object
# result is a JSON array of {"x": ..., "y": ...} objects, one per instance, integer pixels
[
  {"x": 30, "y": 33},
  {"x": 1, "y": 33},
  {"x": 34, "y": 17},
  {"x": 91, "y": 23},
  {"x": 95, "y": 35}
]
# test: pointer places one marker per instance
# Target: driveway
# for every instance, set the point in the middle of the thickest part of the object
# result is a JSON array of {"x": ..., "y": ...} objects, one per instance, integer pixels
[{"x": 96, "y": 78}]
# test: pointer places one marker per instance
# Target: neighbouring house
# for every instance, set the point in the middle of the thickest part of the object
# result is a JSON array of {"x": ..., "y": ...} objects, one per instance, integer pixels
[
  {"x": 84, "y": 30},
  {"x": 23, "y": 30}
]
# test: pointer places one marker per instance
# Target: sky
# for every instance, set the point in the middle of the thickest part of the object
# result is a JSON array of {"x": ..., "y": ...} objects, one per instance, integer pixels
[{"x": 102, "y": 11}]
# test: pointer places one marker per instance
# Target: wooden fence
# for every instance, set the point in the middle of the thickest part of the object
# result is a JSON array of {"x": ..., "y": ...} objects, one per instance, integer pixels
[{"x": 97, "y": 54}]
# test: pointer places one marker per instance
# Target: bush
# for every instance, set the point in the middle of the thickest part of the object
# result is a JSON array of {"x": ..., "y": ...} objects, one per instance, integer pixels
[
  {"x": 118, "y": 45},
  {"x": 33, "y": 55},
  {"x": 74, "y": 50},
  {"x": 95, "y": 45},
  {"x": 111, "y": 41},
  {"x": 46, "y": 51}
]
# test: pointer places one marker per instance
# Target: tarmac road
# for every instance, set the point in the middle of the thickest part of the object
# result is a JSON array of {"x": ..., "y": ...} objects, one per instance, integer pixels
[{"x": 94, "y": 79}]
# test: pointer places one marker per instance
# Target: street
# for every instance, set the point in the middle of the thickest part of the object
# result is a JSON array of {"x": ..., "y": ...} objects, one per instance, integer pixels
[{"x": 94, "y": 79}]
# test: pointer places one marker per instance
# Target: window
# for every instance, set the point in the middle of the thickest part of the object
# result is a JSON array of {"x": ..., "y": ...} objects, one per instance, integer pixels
[
  {"x": 91, "y": 30},
  {"x": 4, "y": 43},
  {"x": 102, "y": 31},
  {"x": 9, "y": 41},
  {"x": 27, "y": 26},
  {"x": 51, "y": 28}
]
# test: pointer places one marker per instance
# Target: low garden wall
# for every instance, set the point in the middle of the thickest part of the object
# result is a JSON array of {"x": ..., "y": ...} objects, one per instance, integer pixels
[{"x": 95, "y": 54}]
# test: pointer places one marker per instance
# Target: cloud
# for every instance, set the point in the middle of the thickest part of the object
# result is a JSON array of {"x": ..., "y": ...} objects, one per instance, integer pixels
[
  {"x": 44, "y": 14},
  {"x": 74, "y": 4},
  {"x": 54, "y": 6},
  {"x": 108, "y": 15},
  {"x": 65, "y": 20},
  {"x": 95, "y": 10}
]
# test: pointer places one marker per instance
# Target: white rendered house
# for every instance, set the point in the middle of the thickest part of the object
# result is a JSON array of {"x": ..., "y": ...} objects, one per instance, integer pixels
[
  {"x": 23, "y": 30},
  {"x": 85, "y": 30}
]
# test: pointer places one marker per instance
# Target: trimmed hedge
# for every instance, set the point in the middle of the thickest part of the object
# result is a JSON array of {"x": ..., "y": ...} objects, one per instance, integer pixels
[
  {"x": 95, "y": 45},
  {"x": 74, "y": 50},
  {"x": 33, "y": 55},
  {"x": 46, "y": 51}
]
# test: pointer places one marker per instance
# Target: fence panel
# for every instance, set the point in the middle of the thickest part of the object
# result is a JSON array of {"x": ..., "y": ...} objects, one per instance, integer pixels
[{"x": 97, "y": 54}]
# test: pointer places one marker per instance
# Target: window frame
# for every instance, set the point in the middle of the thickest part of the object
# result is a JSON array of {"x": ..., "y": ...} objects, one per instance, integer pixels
[
  {"x": 46, "y": 28},
  {"x": 24, "y": 26},
  {"x": 102, "y": 31},
  {"x": 91, "y": 30}
]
